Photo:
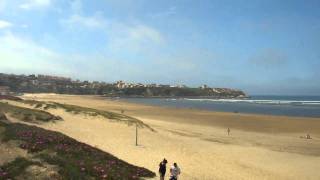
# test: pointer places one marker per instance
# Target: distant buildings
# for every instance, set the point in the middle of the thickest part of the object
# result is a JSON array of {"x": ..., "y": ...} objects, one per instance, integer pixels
[
  {"x": 122, "y": 85},
  {"x": 4, "y": 90},
  {"x": 204, "y": 86},
  {"x": 164, "y": 86}
]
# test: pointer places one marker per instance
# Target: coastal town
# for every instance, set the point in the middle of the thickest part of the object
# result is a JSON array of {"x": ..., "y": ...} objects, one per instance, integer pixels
[{"x": 10, "y": 83}]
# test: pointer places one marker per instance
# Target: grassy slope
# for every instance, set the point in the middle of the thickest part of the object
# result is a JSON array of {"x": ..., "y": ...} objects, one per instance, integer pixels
[
  {"x": 88, "y": 111},
  {"x": 26, "y": 114}
]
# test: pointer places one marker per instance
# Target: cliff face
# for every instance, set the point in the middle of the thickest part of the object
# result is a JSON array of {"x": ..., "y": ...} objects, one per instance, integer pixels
[{"x": 62, "y": 85}]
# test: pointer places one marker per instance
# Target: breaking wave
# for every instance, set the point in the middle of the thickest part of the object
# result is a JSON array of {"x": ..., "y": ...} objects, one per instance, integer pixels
[{"x": 271, "y": 102}]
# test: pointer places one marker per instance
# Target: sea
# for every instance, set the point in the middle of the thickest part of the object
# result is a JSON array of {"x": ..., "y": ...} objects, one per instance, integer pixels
[{"x": 298, "y": 106}]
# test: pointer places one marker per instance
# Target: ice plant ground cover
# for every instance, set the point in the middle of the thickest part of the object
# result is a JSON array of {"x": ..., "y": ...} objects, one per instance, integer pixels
[
  {"x": 75, "y": 160},
  {"x": 16, "y": 167}
]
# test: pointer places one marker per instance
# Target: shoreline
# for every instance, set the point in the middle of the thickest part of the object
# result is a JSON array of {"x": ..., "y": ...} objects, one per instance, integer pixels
[
  {"x": 240, "y": 121},
  {"x": 276, "y": 109},
  {"x": 217, "y": 111},
  {"x": 176, "y": 97}
]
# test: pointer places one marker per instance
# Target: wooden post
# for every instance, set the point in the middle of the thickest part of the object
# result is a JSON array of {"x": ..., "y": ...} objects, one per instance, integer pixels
[{"x": 136, "y": 134}]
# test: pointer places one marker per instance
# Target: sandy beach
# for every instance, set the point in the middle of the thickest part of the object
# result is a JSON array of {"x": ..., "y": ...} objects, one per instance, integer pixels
[{"x": 259, "y": 146}]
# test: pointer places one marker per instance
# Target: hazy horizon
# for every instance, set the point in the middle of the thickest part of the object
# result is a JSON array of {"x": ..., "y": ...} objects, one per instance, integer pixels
[{"x": 261, "y": 47}]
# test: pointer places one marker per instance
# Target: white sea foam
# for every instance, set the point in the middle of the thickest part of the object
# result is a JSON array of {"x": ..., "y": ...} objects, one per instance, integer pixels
[{"x": 279, "y": 102}]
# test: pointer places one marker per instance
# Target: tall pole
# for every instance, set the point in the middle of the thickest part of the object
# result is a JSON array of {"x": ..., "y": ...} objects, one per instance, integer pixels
[{"x": 136, "y": 134}]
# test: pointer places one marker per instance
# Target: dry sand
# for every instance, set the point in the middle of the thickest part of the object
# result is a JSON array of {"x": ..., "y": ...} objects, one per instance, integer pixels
[{"x": 259, "y": 147}]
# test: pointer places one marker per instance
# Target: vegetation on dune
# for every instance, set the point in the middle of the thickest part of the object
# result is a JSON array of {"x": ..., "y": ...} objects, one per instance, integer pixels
[
  {"x": 8, "y": 97},
  {"x": 26, "y": 114},
  {"x": 3, "y": 117},
  {"x": 16, "y": 167},
  {"x": 40, "y": 113},
  {"x": 88, "y": 111},
  {"x": 75, "y": 160}
]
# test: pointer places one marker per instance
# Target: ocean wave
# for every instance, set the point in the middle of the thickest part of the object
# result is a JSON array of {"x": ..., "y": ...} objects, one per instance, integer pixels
[{"x": 272, "y": 102}]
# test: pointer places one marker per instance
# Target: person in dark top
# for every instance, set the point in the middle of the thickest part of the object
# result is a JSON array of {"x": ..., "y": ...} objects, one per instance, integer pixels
[{"x": 162, "y": 168}]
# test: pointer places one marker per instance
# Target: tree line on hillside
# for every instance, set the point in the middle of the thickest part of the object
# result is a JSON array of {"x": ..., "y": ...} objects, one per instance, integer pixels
[{"x": 62, "y": 85}]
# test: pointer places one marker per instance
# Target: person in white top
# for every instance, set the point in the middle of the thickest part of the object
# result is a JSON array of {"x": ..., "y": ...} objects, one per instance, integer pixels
[{"x": 174, "y": 171}]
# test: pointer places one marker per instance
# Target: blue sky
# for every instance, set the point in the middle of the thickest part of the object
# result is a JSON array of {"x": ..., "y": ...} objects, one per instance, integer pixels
[{"x": 259, "y": 46}]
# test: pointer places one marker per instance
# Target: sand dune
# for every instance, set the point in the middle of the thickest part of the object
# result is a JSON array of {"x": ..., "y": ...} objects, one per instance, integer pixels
[{"x": 259, "y": 147}]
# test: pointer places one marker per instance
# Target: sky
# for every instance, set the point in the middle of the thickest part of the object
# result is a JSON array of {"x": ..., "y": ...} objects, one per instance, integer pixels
[{"x": 267, "y": 47}]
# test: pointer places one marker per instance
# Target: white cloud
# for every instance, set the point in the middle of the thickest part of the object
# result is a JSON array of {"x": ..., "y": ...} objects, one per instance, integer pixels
[
  {"x": 121, "y": 36},
  {"x": 142, "y": 32},
  {"x": 24, "y": 55},
  {"x": 165, "y": 14},
  {"x": 24, "y": 26},
  {"x": 129, "y": 37},
  {"x": 14, "y": 43},
  {"x": 35, "y": 4},
  {"x": 5, "y": 24},
  {"x": 135, "y": 32},
  {"x": 95, "y": 21},
  {"x": 133, "y": 39}
]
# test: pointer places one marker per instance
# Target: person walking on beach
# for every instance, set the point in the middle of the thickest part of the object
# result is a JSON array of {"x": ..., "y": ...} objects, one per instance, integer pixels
[
  {"x": 228, "y": 131},
  {"x": 162, "y": 168},
  {"x": 174, "y": 171}
]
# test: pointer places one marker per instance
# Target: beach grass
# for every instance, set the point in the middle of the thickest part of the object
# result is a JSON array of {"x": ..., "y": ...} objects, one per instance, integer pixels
[
  {"x": 27, "y": 114},
  {"x": 88, "y": 111}
]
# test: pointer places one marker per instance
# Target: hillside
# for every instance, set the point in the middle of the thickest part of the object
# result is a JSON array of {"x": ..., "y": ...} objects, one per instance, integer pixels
[{"x": 63, "y": 85}]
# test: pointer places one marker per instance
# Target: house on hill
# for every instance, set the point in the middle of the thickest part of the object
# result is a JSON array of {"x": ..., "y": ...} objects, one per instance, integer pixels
[{"x": 4, "y": 90}]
